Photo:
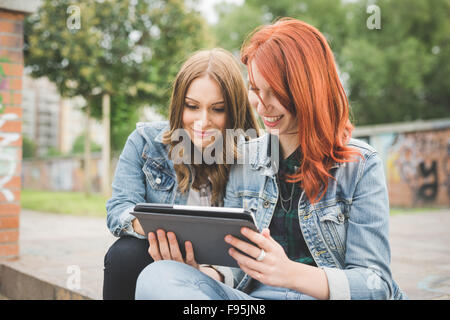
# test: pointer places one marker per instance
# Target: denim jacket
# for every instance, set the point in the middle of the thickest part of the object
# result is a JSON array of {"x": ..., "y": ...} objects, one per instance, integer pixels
[
  {"x": 347, "y": 231},
  {"x": 144, "y": 173}
]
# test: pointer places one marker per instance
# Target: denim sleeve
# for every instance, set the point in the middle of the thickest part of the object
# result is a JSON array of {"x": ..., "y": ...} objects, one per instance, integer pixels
[
  {"x": 128, "y": 188},
  {"x": 231, "y": 199},
  {"x": 232, "y": 276},
  {"x": 367, "y": 274}
]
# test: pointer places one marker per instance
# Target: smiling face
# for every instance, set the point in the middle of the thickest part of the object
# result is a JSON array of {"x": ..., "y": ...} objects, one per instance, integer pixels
[
  {"x": 204, "y": 111},
  {"x": 276, "y": 118}
]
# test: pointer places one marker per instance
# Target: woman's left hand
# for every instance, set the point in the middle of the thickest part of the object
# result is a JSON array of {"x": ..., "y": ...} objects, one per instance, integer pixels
[
  {"x": 273, "y": 270},
  {"x": 164, "y": 246}
]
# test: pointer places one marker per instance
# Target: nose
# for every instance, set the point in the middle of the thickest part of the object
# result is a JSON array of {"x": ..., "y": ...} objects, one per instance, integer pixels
[
  {"x": 205, "y": 116},
  {"x": 203, "y": 120},
  {"x": 262, "y": 105}
]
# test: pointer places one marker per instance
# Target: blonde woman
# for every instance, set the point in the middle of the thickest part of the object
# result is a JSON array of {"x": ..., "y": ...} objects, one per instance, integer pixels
[{"x": 209, "y": 96}]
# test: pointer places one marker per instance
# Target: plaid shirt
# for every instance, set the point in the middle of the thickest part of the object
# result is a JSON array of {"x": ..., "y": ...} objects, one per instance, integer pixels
[
  {"x": 285, "y": 227},
  {"x": 201, "y": 197}
]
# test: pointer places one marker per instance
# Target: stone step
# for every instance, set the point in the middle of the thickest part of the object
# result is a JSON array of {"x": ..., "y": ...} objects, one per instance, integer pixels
[{"x": 18, "y": 285}]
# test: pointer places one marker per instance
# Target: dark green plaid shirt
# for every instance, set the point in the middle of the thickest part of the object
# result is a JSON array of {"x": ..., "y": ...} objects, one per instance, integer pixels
[{"x": 285, "y": 227}]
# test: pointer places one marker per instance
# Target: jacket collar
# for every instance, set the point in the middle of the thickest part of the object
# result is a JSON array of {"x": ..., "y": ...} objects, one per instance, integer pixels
[
  {"x": 264, "y": 152},
  {"x": 159, "y": 137}
]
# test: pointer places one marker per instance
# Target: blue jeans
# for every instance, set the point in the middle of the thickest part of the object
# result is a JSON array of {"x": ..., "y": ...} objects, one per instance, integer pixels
[{"x": 171, "y": 280}]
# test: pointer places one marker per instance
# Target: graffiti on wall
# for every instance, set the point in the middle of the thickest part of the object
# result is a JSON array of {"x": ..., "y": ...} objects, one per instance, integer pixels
[
  {"x": 60, "y": 174},
  {"x": 418, "y": 165},
  {"x": 8, "y": 156}
]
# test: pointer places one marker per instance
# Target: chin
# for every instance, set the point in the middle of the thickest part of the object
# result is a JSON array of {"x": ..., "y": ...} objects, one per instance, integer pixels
[{"x": 274, "y": 131}]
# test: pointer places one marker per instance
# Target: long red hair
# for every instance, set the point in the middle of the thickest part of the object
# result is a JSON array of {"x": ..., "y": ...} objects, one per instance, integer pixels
[{"x": 296, "y": 61}]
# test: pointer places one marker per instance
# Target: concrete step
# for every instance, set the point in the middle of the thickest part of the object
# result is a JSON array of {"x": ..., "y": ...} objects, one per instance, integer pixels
[
  {"x": 19, "y": 285},
  {"x": 57, "y": 253}
]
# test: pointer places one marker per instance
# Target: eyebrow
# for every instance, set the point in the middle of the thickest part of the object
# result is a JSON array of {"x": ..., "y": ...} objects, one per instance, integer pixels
[{"x": 219, "y": 102}]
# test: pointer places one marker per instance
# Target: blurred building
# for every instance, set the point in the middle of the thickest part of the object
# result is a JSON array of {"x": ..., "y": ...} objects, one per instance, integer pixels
[
  {"x": 41, "y": 104},
  {"x": 73, "y": 124},
  {"x": 51, "y": 121}
]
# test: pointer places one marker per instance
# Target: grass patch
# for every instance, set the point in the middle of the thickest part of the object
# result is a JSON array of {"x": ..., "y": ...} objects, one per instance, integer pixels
[
  {"x": 77, "y": 203},
  {"x": 74, "y": 203},
  {"x": 397, "y": 211}
]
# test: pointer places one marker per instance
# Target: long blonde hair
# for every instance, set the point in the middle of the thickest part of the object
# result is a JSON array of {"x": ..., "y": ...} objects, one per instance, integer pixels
[{"x": 223, "y": 67}]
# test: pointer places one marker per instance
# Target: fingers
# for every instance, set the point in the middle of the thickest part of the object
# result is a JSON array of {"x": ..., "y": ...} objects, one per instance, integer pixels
[
  {"x": 247, "y": 262},
  {"x": 266, "y": 233},
  {"x": 244, "y": 246},
  {"x": 190, "y": 259},
  {"x": 252, "y": 273},
  {"x": 163, "y": 245},
  {"x": 262, "y": 240},
  {"x": 153, "y": 249},
  {"x": 174, "y": 248}
]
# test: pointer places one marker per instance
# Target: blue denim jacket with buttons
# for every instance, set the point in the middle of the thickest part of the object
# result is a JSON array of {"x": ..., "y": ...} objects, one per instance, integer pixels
[
  {"x": 144, "y": 173},
  {"x": 347, "y": 231}
]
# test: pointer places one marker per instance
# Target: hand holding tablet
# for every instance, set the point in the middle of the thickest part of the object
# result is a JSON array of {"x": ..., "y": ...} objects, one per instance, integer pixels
[{"x": 204, "y": 228}]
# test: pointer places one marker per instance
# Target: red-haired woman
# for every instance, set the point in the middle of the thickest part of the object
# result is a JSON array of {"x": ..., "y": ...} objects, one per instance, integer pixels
[{"x": 319, "y": 196}]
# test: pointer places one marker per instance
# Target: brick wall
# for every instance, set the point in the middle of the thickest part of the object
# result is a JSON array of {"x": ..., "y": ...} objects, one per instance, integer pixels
[{"x": 11, "y": 44}]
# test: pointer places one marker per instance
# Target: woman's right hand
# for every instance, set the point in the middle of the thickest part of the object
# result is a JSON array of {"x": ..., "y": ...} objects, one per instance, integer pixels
[{"x": 165, "y": 247}]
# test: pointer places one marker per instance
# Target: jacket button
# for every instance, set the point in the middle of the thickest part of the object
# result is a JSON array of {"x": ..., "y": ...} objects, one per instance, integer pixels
[
  {"x": 158, "y": 180},
  {"x": 266, "y": 204},
  {"x": 341, "y": 217}
]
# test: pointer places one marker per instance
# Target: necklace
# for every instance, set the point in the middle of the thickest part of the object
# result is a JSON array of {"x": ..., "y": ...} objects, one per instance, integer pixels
[{"x": 282, "y": 201}]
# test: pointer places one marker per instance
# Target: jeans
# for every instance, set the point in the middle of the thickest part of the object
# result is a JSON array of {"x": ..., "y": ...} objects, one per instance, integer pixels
[
  {"x": 171, "y": 280},
  {"x": 124, "y": 261}
]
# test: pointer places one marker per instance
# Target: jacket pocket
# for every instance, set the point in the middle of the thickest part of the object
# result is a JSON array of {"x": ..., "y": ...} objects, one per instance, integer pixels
[
  {"x": 333, "y": 225},
  {"x": 250, "y": 204},
  {"x": 157, "y": 175}
]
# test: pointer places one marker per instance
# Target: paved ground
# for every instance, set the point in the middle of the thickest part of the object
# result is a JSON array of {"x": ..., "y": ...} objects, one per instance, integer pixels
[
  {"x": 60, "y": 248},
  {"x": 420, "y": 254}
]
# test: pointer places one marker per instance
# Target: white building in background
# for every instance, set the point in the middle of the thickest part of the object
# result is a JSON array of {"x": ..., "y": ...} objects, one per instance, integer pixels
[
  {"x": 51, "y": 121},
  {"x": 73, "y": 124},
  {"x": 41, "y": 112}
]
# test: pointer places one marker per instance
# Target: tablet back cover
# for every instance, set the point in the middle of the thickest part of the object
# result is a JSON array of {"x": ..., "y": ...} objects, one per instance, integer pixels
[{"x": 207, "y": 234}]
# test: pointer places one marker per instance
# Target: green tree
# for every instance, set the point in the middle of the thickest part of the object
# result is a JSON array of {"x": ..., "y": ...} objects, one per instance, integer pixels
[
  {"x": 234, "y": 24},
  {"x": 400, "y": 72},
  {"x": 28, "y": 148},
  {"x": 125, "y": 48},
  {"x": 128, "y": 50},
  {"x": 78, "y": 145}
]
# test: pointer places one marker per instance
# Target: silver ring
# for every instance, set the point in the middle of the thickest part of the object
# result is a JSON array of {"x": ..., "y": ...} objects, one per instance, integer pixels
[{"x": 261, "y": 256}]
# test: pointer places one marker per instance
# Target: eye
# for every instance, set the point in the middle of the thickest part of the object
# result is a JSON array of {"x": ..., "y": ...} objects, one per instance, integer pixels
[
  {"x": 191, "y": 106},
  {"x": 219, "y": 110},
  {"x": 251, "y": 88}
]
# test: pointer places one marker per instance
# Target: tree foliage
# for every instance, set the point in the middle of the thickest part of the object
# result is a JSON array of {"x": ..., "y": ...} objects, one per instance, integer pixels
[
  {"x": 400, "y": 72},
  {"x": 129, "y": 49}
]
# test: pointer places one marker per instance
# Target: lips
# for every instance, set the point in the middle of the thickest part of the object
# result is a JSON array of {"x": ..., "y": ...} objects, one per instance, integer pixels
[
  {"x": 271, "y": 121},
  {"x": 203, "y": 134}
]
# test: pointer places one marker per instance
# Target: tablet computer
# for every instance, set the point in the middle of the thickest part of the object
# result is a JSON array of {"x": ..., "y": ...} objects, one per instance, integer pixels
[{"x": 205, "y": 227}]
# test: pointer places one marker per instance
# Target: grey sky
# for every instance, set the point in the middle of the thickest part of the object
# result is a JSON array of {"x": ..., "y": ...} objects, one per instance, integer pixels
[{"x": 206, "y": 7}]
